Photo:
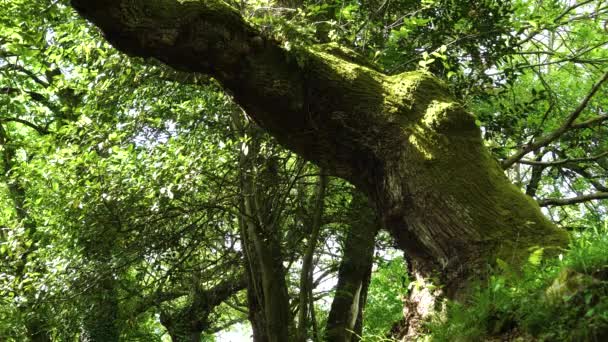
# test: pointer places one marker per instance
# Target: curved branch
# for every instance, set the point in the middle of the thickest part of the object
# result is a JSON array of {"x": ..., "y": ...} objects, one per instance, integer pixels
[
  {"x": 401, "y": 139},
  {"x": 30, "y": 74},
  {"x": 590, "y": 122},
  {"x": 39, "y": 129},
  {"x": 302, "y": 97}
]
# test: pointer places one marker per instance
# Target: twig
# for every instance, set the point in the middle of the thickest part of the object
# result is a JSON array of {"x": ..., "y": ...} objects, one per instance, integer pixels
[
  {"x": 572, "y": 200},
  {"x": 562, "y": 161}
]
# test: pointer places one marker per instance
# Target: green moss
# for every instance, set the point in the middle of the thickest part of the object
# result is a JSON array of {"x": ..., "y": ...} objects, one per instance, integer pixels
[
  {"x": 444, "y": 144},
  {"x": 417, "y": 140},
  {"x": 345, "y": 54},
  {"x": 339, "y": 65}
]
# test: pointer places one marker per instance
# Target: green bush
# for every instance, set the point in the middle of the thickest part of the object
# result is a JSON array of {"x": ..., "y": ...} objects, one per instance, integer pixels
[{"x": 561, "y": 299}]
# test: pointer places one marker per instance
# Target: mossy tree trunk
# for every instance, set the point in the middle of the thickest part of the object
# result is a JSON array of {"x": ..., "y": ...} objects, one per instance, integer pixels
[
  {"x": 345, "y": 320},
  {"x": 401, "y": 139}
]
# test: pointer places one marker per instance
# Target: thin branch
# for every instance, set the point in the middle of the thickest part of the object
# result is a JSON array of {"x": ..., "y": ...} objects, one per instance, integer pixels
[
  {"x": 572, "y": 200},
  {"x": 588, "y": 177},
  {"x": 549, "y": 138},
  {"x": 33, "y": 76},
  {"x": 39, "y": 129},
  {"x": 556, "y": 20},
  {"x": 590, "y": 122},
  {"x": 570, "y": 9},
  {"x": 571, "y": 59},
  {"x": 225, "y": 325},
  {"x": 34, "y": 95},
  {"x": 562, "y": 161}
]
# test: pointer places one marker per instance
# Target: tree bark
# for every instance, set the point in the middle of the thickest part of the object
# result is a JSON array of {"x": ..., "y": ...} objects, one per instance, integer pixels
[
  {"x": 401, "y": 139},
  {"x": 306, "y": 274},
  {"x": 267, "y": 290},
  {"x": 344, "y": 323},
  {"x": 188, "y": 323}
]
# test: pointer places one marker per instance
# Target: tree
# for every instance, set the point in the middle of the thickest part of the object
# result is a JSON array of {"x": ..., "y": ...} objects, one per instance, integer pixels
[
  {"x": 401, "y": 139},
  {"x": 345, "y": 320},
  {"x": 73, "y": 259}
]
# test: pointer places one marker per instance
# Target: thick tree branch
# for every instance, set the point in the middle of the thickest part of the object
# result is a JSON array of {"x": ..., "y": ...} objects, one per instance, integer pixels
[
  {"x": 572, "y": 200},
  {"x": 567, "y": 125},
  {"x": 401, "y": 139},
  {"x": 155, "y": 299},
  {"x": 222, "y": 291}
]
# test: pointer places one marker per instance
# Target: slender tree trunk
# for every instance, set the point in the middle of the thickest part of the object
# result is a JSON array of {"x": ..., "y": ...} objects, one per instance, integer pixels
[
  {"x": 101, "y": 319},
  {"x": 354, "y": 274},
  {"x": 401, "y": 139},
  {"x": 306, "y": 274},
  {"x": 195, "y": 336},
  {"x": 255, "y": 307},
  {"x": 358, "y": 329},
  {"x": 266, "y": 272},
  {"x": 37, "y": 331}
]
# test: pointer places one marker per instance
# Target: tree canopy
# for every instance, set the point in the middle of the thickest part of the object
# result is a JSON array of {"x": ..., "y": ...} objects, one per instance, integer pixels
[{"x": 303, "y": 170}]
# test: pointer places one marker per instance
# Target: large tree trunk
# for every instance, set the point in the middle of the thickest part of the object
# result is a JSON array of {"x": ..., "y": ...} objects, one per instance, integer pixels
[{"x": 401, "y": 139}]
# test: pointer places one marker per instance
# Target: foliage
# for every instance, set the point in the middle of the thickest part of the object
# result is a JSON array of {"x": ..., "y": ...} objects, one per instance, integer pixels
[
  {"x": 387, "y": 290},
  {"x": 561, "y": 299},
  {"x": 120, "y": 180}
]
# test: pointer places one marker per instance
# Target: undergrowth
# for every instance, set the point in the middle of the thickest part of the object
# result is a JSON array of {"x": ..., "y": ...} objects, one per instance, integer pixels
[{"x": 560, "y": 299}]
